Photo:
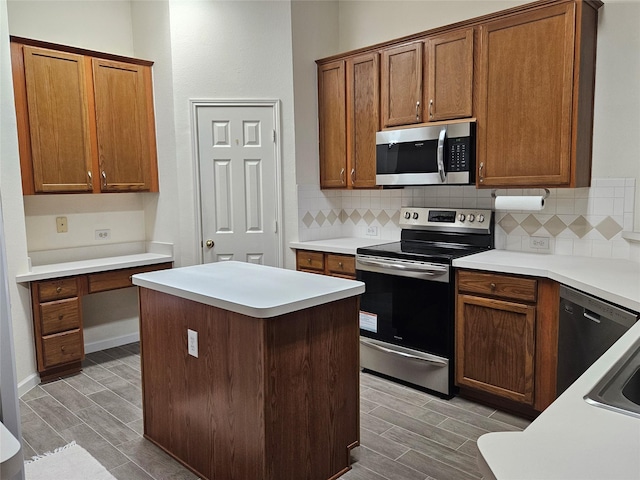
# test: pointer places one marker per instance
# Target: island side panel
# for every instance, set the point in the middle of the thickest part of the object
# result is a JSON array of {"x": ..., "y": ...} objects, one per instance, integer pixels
[
  {"x": 208, "y": 411},
  {"x": 312, "y": 384}
]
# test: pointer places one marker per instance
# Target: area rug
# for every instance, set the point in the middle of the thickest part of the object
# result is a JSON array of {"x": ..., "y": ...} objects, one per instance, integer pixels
[{"x": 71, "y": 462}]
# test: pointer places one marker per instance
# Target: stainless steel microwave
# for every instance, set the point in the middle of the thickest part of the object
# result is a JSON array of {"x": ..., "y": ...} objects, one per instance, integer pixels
[{"x": 442, "y": 154}]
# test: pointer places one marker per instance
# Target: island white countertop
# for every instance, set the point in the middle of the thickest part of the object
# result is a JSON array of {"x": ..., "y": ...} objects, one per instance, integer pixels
[
  {"x": 612, "y": 279},
  {"x": 571, "y": 439},
  {"x": 254, "y": 290},
  {"x": 344, "y": 245}
]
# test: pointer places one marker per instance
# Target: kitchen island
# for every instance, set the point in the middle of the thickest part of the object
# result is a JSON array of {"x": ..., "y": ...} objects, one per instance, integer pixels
[{"x": 270, "y": 389}]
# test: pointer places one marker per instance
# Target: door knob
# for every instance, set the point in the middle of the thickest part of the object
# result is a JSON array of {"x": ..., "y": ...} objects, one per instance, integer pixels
[{"x": 209, "y": 243}]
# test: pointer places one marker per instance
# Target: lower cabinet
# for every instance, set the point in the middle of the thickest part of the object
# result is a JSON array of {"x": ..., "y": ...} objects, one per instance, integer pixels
[
  {"x": 333, "y": 264},
  {"x": 506, "y": 337}
]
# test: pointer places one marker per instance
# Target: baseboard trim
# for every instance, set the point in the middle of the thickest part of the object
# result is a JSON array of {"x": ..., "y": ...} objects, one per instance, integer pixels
[
  {"x": 28, "y": 383},
  {"x": 111, "y": 342}
]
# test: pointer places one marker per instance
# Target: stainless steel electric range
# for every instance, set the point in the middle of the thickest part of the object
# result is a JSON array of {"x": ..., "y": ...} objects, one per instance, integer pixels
[{"x": 407, "y": 311}]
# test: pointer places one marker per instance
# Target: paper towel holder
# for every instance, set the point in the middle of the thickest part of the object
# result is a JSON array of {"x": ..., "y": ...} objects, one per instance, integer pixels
[{"x": 546, "y": 193}]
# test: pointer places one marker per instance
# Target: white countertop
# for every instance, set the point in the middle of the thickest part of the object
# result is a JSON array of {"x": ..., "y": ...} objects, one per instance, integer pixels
[
  {"x": 571, "y": 439},
  {"x": 614, "y": 280},
  {"x": 92, "y": 259},
  {"x": 344, "y": 245},
  {"x": 254, "y": 290}
]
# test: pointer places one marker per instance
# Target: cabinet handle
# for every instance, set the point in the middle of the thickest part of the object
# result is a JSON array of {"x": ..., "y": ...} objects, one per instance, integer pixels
[
  {"x": 493, "y": 286},
  {"x": 60, "y": 317},
  {"x": 58, "y": 289},
  {"x": 418, "y": 110},
  {"x": 431, "y": 108},
  {"x": 353, "y": 175},
  {"x": 480, "y": 172},
  {"x": 90, "y": 182},
  {"x": 342, "y": 176},
  {"x": 62, "y": 348},
  {"x": 104, "y": 178},
  {"x": 340, "y": 264},
  {"x": 309, "y": 260}
]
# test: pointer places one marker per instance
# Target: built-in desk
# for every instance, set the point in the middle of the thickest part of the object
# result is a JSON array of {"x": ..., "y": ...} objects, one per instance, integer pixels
[{"x": 56, "y": 295}]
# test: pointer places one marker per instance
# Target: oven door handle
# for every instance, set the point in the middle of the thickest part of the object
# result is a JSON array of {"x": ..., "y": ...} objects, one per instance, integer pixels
[
  {"x": 427, "y": 358},
  {"x": 430, "y": 270}
]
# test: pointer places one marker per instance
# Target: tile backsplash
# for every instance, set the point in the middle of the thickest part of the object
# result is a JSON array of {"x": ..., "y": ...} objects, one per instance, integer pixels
[{"x": 582, "y": 221}]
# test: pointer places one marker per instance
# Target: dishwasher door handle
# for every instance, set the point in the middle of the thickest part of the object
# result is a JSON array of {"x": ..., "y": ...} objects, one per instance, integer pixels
[{"x": 590, "y": 316}]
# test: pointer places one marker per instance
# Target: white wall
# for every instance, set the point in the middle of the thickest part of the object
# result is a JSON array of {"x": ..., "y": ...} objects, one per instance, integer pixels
[{"x": 229, "y": 50}]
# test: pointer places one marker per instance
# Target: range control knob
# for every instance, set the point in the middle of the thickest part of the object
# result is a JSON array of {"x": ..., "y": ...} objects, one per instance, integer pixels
[
  {"x": 461, "y": 217},
  {"x": 472, "y": 217},
  {"x": 415, "y": 215},
  {"x": 407, "y": 215},
  {"x": 480, "y": 218}
]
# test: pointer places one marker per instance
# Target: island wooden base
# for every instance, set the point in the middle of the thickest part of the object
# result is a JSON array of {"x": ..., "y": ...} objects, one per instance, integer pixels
[{"x": 272, "y": 399}]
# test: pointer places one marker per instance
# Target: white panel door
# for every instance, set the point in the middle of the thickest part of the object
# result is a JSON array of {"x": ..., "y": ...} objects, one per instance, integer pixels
[{"x": 238, "y": 183}]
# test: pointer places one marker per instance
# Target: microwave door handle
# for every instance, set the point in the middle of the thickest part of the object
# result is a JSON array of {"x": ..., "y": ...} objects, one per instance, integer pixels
[{"x": 440, "y": 154}]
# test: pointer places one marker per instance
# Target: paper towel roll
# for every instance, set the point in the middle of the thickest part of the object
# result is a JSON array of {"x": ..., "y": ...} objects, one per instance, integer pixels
[{"x": 532, "y": 203}]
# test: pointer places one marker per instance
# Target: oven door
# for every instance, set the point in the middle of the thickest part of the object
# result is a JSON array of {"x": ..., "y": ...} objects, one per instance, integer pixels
[{"x": 406, "y": 321}]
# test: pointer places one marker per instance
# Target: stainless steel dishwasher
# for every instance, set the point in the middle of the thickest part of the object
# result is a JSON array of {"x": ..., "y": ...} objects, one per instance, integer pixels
[{"x": 588, "y": 327}]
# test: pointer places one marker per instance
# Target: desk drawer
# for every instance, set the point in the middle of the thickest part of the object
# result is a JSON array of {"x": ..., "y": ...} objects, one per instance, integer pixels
[
  {"x": 62, "y": 348},
  {"x": 60, "y": 315},
  {"x": 114, "y": 279},
  {"x": 57, "y": 289}
]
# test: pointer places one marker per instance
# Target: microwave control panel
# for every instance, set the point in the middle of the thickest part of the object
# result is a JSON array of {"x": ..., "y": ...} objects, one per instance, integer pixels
[{"x": 459, "y": 156}]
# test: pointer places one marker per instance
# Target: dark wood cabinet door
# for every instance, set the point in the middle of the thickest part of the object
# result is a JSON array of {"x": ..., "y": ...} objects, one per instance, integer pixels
[
  {"x": 449, "y": 67},
  {"x": 495, "y": 347},
  {"x": 124, "y": 130},
  {"x": 401, "y": 84},
  {"x": 525, "y": 98},
  {"x": 58, "y": 119},
  {"x": 363, "y": 74},
  {"x": 333, "y": 125}
]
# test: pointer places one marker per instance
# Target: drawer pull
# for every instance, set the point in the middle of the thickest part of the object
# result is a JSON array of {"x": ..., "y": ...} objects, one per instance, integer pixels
[
  {"x": 340, "y": 264},
  {"x": 60, "y": 316},
  {"x": 493, "y": 286},
  {"x": 62, "y": 348},
  {"x": 58, "y": 289},
  {"x": 309, "y": 260}
]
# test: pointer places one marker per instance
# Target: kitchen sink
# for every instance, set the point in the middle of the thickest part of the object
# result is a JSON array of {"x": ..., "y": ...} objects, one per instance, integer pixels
[{"x": 619, "y": 389}]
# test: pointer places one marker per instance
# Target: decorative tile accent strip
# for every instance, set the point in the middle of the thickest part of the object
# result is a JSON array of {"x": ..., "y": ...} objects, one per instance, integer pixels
[{"x": 581, "y": 221}]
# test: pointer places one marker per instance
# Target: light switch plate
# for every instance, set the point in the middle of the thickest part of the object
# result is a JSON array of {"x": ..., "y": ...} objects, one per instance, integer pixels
[{"x": 192, "y": 339}]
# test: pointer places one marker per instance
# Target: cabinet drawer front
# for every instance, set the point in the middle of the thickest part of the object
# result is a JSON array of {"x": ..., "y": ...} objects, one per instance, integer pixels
[
  {"x": 310, "y": 260},
  {"x": 344, "y": 265},
  {"x": 503, "y": 286},
  {"x": 57, "y": 289},
  {"x": 62, "y": 348},
  {"x": 60, "y": 315},
  {"x": 101, "y": 282}
]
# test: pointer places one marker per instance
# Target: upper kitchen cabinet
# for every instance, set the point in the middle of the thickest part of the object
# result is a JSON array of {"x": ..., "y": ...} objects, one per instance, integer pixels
[
  {"x": 332, "y": 118},
  {"x": 85, "y": 120},
  {"x": 449, "y": 75},
  {"x": 535, "y": 97},
  {"x": 56, "y": 120},
  {"x": 124, "y": 125},
  {"x": 401, "y": 83},
  {"x": 349, "y": 106}
]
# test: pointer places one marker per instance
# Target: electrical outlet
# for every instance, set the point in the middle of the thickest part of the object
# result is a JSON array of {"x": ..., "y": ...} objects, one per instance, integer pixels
[
  {"x": 103, "y": 234},
  {"x": 192, "y": 338},
  {"x": 539, "y": 242},
  {"x": 372, "y": 231},
  {"x": 61, "y": 224}
]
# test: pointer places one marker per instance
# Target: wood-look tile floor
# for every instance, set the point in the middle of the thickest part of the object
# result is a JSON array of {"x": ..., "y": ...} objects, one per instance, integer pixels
[{"x": 405, "y": 434}]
